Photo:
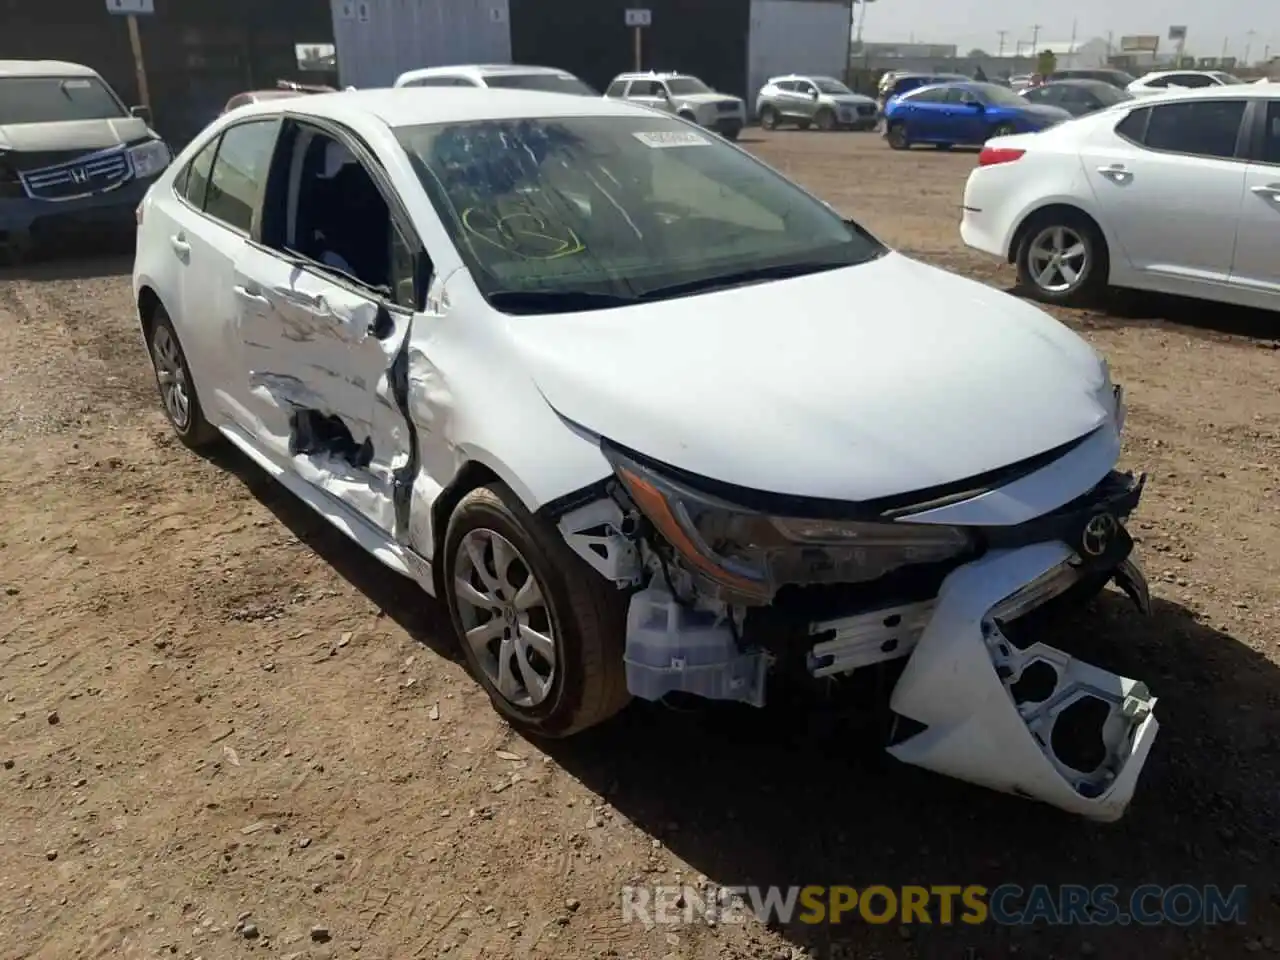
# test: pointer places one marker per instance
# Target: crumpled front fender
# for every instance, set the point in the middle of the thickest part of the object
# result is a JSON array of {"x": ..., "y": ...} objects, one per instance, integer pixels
[{"x": 1022, "y": 721}]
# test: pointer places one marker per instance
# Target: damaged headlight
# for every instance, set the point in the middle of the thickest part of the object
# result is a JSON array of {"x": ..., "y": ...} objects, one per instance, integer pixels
[{"x": 751, "y": 554}]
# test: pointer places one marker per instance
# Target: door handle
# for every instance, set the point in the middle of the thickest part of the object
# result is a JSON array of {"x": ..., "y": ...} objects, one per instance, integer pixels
[
  {"x": 1269, "y": 191},
  {"x": 1116, "y": 172},
  {"x": 180, "y": 246},
  {"x": 251, "y": 294}
]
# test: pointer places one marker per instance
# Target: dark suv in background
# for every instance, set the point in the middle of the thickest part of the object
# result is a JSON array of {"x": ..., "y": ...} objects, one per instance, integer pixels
[
  {"x": 73, "y": 157},
  {"x": 1116, "y": 78}
]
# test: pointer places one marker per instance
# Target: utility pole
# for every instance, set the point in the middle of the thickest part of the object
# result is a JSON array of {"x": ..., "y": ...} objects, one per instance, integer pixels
[
  {"x": 1225, "y": 41},
  {"x": 1035, "y": 38},
  {"x": 1071, "y": 50},
  {"x": 1248, "y": 44},
  {"x": 1001, "y": 34}
]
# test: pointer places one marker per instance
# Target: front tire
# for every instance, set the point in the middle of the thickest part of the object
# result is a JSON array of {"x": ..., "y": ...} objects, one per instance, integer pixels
[
  {"x": 177, "y": 388},
  {"x": 826, "y": 120},
  {"x": 1004, "y": 130},
  {"x": 1062, "y": 259},
  {"x": 540, "y": 630}
]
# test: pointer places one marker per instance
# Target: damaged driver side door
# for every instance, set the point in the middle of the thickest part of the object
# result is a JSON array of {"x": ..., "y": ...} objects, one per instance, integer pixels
[{"x": 326, "y": 295}]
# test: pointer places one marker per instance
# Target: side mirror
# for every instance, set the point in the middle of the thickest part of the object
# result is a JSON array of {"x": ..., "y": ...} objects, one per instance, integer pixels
[
  {"x": 813, "y": 94},
  {"x": 142, "y": 113}
]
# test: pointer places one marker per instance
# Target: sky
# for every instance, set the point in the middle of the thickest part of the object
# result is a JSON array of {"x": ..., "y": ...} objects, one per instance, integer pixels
[{"x": 974, "y": 23}]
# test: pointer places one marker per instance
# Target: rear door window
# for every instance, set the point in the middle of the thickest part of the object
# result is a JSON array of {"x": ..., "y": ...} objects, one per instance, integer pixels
[
  {"x": 1271, "y": 136},
  {"x": 239, "y": 171},
  {"x": 194, "y": 180},
  {"x": 1201, "y": 128}
]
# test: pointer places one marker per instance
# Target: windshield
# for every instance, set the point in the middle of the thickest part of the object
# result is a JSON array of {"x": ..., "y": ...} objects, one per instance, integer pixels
[
  {"x": 683, "y": 86},
  {"x": 1226, "y": 78},
  {"x": 53, "y": 99},
  {"x": 827, "y": 85},
  {"x": 618, "y": 208},
  {"x": 548, "y": 82},
  {"x": 997, "y": 95}
]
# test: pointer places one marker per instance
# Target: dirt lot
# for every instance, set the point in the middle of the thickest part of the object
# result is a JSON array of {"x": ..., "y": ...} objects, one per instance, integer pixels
[{"x": 216, "y": 712}]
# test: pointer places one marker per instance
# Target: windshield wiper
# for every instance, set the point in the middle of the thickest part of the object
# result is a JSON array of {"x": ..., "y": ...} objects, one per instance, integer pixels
[
  {"x": 556, "y": 301},
  {"x": 744, "y": 277}
]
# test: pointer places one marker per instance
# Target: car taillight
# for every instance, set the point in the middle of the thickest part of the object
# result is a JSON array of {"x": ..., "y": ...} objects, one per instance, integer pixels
[{"x": 994, "y": 155}]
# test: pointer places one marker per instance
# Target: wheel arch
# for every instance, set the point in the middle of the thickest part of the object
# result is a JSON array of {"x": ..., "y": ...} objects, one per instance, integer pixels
[
  {"x": 1045, "y": 212},
  {"x": 148, "y": 302}
]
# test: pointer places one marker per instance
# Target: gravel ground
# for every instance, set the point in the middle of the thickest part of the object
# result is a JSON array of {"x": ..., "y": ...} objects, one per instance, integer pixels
[{"x": 226, "y": 731}]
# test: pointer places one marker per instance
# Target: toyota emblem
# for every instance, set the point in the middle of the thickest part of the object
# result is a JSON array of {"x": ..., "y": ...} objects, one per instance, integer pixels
[{"x": 1098, "y": 534}]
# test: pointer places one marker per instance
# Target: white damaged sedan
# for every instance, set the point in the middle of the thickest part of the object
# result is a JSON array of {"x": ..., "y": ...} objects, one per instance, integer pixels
[{"x": 650, "y": 418}]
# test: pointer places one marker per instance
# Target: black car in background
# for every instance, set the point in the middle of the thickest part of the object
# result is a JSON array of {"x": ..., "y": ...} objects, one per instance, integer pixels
[
  {"x": 1077, "y": 97},
  {"x": 1109, "y": 75}
]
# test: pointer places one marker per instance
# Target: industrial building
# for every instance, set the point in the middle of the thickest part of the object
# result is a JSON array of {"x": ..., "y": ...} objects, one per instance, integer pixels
[{"x": 733, "y": 45}]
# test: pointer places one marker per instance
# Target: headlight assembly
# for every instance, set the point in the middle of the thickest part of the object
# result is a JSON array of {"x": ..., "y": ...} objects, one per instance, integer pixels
[
  {"x": 149, "y": 158},
  {"x": 752, "y": 554}
]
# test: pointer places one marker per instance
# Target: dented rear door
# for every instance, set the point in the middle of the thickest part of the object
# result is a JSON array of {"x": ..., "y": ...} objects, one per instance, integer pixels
[{"x": 320, "y": 356}]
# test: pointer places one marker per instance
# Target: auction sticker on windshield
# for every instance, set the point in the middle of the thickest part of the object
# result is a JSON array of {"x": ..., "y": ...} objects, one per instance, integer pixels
[{"x": 672, "y": 138}]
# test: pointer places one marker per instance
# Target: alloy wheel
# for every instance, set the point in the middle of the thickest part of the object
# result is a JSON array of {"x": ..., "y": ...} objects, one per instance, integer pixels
[
  {"x": 1057, "y": 259},
  {"x": 171, "y": 374},
  {"x": 505, "y": 617}
]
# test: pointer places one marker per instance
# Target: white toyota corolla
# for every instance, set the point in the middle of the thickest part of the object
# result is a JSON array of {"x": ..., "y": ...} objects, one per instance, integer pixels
[{"x": 650, "y": 418}]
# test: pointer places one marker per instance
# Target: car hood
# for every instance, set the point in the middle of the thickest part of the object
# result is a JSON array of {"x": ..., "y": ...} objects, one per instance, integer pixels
[
  {"x": 853, "y": 384},
  {"x": 706, "y": 97},
  {"x": 72, "y": 134},
  {"x": 848, "y": 99}
]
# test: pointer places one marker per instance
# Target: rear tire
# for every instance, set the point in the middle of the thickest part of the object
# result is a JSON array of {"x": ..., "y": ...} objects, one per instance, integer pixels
[
  {"x": 582, "y": 615},
  {"x": 768, "y": 118},
  {"x": 1062, "y": 259},
  {"x": 896, "y": 134},
  {"x": 802, "y": 124},
  {"x": 177, "y": 388}
]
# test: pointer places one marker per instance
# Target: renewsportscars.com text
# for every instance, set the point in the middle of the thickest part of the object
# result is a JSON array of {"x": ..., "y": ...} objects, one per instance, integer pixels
[{"x": 1006, "y": 905}]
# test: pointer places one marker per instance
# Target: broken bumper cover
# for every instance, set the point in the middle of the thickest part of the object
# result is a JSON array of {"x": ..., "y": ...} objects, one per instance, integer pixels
[{"x": 1033, "y": 721}]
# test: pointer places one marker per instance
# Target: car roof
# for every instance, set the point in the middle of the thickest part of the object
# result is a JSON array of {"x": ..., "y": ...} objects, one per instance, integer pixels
[
  {"x": 1154, "y": 74},
  {"x": 652, "y": 75},
  {"x": 410, "y": 106},
  {"x": 481, "y": 70},
  {"x": 804, "y": 76},
  {"x": 44, "y": 68},
  {"x": 1077, "y": 82},
  {"x": 1243, "y": 91}
]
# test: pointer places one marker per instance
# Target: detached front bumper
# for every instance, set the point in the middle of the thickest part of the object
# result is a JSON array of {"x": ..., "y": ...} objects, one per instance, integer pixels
[
  {"x": 980, "y": 698},
  {"x": 1029, "y": 720}
]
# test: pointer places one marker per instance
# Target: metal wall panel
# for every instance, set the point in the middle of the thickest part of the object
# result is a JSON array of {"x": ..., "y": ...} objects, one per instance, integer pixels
[
  {"x": 797, "y": 36},
  {"x": 590, "y": 38},
  {"x": 380, "y": 39}
]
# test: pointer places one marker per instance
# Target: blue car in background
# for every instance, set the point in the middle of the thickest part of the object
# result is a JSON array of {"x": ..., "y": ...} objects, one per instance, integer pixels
[{"x": 967, "y": 113}]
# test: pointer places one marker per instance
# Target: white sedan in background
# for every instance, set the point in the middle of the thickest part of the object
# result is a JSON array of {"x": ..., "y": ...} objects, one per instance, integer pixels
[
  {"x": 1160, "y": 81},
  {"x": 543, "y": 354},
  {"x": 1177, "y": 193}
]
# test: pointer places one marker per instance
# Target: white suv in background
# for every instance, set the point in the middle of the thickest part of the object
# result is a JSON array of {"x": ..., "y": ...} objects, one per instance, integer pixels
[
  {"x": 685, "y": 96},
  {"x": 508, "y": 76}
]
